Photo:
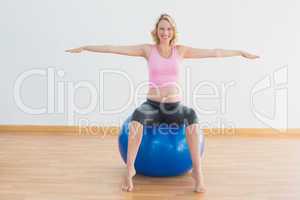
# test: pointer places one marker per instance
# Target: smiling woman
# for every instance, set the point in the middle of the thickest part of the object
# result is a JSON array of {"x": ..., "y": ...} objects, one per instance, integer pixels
[
  {"x": 165, "y": 28},
  {"x": 163, "y": 103}
]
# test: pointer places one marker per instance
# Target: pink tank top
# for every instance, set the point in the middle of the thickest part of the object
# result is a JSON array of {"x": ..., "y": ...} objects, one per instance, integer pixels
[{"x": 163, "y": 71}]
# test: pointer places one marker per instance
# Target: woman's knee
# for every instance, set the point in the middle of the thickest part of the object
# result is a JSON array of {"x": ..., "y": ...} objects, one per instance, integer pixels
[
  {"x": 190, "y": 116},
  {"x": 135, "y": 129}
]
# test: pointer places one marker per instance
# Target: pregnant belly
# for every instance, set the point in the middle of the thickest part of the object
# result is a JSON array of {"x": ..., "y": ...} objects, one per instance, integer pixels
[{"x": 165, "y": 94}]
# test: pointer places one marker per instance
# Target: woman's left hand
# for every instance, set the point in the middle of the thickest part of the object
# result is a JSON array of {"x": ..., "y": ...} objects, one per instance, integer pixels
[{"x": 248, "y": 55}]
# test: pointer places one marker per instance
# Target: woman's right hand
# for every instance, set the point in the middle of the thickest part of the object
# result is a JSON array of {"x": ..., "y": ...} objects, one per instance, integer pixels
[{"x": 75, "y": 50}]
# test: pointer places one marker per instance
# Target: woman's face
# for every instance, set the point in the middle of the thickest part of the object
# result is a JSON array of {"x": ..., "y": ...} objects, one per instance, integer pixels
[{"x": 165, "y": 31}]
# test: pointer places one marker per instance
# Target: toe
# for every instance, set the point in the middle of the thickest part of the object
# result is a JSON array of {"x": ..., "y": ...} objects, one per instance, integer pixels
[{"x": 200, "y": 189}]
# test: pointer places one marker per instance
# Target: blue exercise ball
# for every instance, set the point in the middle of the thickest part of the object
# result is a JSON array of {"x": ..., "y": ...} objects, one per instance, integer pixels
[{"x": 163, "y": 151}]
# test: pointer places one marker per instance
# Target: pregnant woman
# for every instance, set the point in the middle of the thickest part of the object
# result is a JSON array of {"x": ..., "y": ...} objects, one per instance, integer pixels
[{"x": 163, "y": 103}]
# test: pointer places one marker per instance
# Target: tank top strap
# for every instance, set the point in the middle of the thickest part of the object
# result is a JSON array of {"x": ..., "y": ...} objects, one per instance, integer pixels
[
  {"x": 176, "y": 53},
  {"x": 153, "y": 50}
]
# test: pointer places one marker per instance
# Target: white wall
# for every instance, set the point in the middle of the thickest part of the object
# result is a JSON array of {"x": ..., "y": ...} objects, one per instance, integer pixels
[{"x": 34, "y": 35}]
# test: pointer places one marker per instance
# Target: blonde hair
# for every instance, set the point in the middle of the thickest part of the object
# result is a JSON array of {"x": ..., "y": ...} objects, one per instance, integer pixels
[{"x": 169, "y": 19}]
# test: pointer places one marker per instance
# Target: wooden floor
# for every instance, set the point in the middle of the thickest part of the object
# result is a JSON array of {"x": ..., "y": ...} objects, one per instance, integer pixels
[{"x": 51, "y": 167}]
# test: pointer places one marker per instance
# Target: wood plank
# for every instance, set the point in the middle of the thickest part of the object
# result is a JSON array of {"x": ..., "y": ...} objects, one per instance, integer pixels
[
  {"x": 114, "y": 131},
  {"x": 53, "y": 167}
]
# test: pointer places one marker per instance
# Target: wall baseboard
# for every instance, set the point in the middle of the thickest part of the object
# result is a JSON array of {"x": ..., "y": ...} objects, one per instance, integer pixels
[{"x": 114, "y": 131}]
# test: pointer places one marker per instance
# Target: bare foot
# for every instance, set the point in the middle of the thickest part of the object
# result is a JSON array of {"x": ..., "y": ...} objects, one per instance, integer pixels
[
  {"x": 199, "y": 183},
  {"x": 128, "y": 184}
]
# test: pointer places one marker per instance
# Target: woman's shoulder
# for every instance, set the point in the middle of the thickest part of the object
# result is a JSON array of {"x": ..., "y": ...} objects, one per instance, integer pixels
[
  {"x": 148, "y": 45},
  {"x": 180, "y": 49},
  {"x": 148, "y": 48}
]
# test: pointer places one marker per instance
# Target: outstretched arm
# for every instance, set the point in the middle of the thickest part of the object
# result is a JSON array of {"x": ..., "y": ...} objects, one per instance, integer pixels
[
  {"x": 132, "y": 50},
  {"x": 190, "y": 52}
]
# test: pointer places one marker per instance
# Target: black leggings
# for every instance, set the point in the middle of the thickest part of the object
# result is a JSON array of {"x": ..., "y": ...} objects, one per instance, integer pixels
[{"x": 154, "y": 112}]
